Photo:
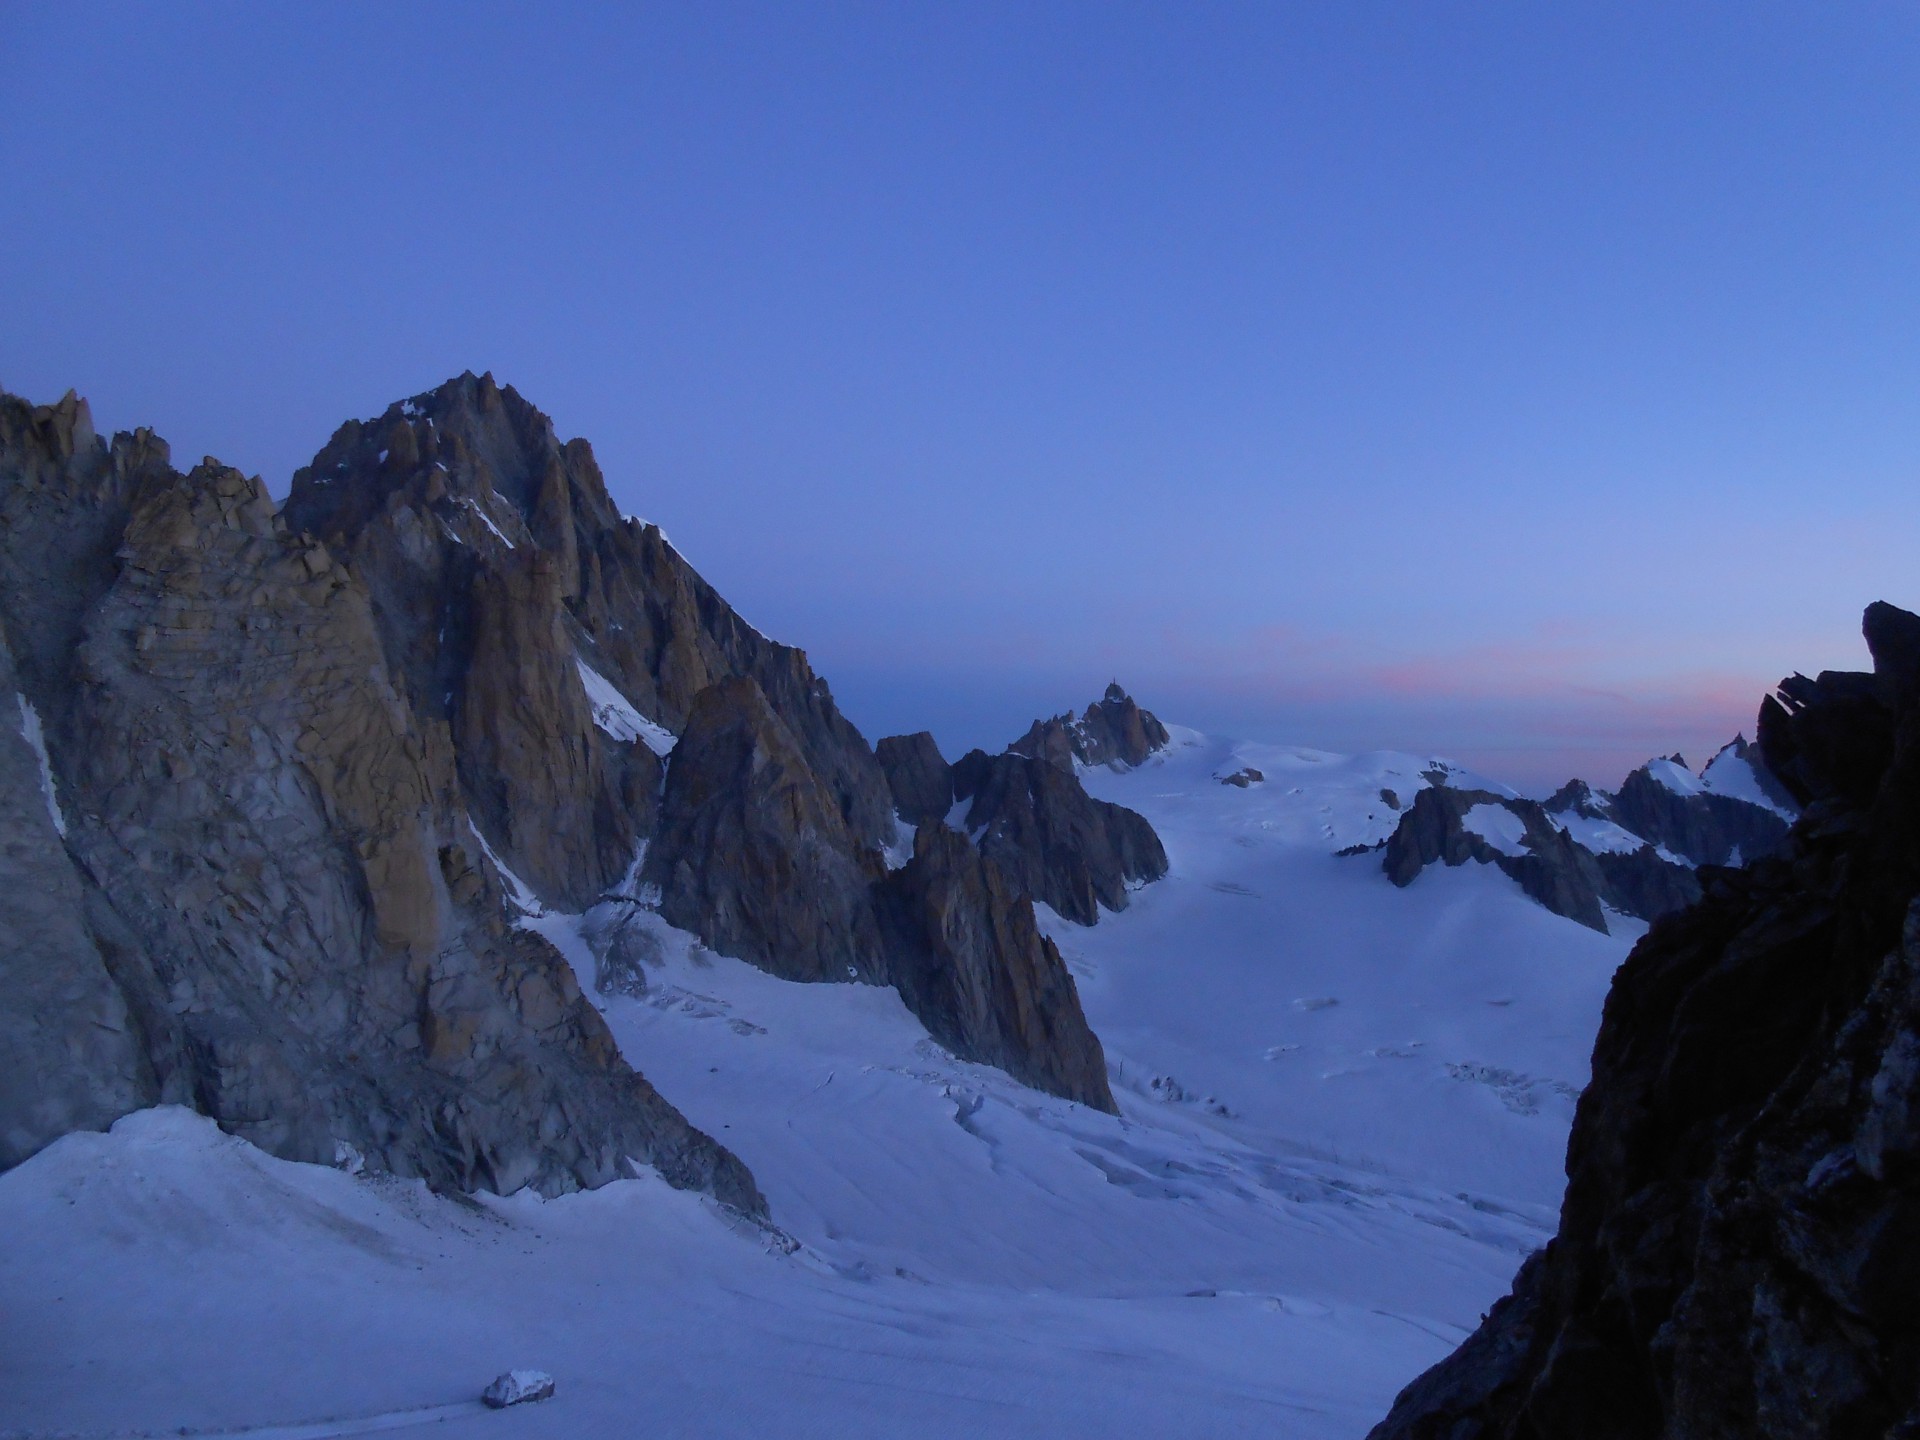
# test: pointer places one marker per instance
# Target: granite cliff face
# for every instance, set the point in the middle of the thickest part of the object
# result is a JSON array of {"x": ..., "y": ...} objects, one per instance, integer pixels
[
  {"x": 282, "y": 783},
  {"x": 508, "y": 585},
  {"x": 918, "y": 776},
  {"x": 1737, "y": 1247},
  {"x": 282, "y": 918}
]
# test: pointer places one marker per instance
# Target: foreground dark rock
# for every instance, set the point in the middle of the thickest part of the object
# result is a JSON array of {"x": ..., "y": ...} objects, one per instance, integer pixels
[
  {"x": 971, "y": 962},
  {"x": 1737, "y": 1247},
  {"x": 284, "y": 917}
]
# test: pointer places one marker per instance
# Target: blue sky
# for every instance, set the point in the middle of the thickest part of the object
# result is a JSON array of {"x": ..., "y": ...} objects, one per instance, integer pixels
[{"x": 1533, "y": 384}]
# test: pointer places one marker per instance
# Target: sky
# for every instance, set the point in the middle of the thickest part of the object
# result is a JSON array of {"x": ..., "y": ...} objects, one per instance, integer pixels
[{"x": 1533, "y": 385}]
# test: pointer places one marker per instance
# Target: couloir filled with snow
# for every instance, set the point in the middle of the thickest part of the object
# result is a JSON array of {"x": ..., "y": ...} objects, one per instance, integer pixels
[{"x": 1345, "y": 1108}]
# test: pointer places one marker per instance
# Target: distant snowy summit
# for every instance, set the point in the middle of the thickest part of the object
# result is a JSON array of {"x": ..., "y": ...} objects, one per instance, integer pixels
[{"x": 1635, "y": 851}]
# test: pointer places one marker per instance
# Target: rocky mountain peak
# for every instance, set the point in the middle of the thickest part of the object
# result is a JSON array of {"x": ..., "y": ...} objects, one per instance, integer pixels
[
  {"x": 358, "y": 740},
  {"x": 1114, "y": 730}
]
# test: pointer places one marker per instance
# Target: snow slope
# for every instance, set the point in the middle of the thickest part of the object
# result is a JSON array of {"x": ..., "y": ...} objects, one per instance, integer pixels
[{"x": 1344, "y": 1112}]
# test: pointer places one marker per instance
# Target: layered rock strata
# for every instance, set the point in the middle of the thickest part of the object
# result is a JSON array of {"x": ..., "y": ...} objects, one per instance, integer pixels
[{"x": 1736, "y": 1253}]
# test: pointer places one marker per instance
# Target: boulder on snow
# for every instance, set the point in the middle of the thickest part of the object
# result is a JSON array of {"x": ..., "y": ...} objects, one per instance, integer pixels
[
  {"x": 1244, "y": 777},
  {"x": 517, "y": 1387}
]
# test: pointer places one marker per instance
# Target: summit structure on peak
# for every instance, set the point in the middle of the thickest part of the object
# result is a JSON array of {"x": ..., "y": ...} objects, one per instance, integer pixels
[{"x": 1114, "y": 730}]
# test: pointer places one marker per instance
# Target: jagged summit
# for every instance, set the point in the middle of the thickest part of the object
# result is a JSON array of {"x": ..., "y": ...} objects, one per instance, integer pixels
[
  {"x": 360, "y": 742},
  {"x": 1114, "y": 730},
  {"x": 265, "y": 883}
]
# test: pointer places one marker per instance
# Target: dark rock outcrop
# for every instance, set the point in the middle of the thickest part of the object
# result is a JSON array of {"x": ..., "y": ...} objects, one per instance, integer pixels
[
  {"x": 1113, "y": 731},
  {"x": 970, "y": 961},
  {"x": 1736, "y": 1253},
  {"x": 1645, "y": 884},
  {"x": 1551, "y": 868},
  {"x": 1055, "y": 842},
  {"x": 752, "y": 852},
  {"x": 1701, "y": 827},
  {"x": 278, "y": 911},
  {"x": 1642, "y": 847},
  {"x": 1246, "y": 775},
  {"x": 348, "y": 739},
  {"x": 918, "y": 776}
]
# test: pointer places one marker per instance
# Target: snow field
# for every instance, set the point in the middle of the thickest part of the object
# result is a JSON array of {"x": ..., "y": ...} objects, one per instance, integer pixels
[{"x": 1345, "y": 1109}]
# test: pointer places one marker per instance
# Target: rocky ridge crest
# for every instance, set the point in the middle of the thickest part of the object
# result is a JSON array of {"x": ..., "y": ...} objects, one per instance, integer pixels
[
  {"x": 1635, "y": 851},
  {"x": 285, "y": 917},
  {"x": 356, "y": 734}
]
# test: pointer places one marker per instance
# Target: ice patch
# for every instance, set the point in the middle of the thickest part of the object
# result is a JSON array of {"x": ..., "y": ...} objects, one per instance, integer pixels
[
  {"x": 34, "y": 736},
  {"x": 1733, "y": 776},
  {"x": 1499, "y": 827},
  {"x": 616, "y": 715},
  {"x": 900, "y": 851},
  {"x": 521, "y": 893},
  {"x": 487, "y": 520}
]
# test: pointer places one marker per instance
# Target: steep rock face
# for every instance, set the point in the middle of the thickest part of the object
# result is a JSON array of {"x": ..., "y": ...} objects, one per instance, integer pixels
[
  {"x": 918, "y": 776},
  {"x": 69, "y": 1056},
  {"x": 1705, "y": 828},
  {"x": 752, "y": 851},
  {"x": 1113, "y": 731},
  {"x": 1036, "y": 821},
  {"x": 271, "y": 866},
  {"x": 1645, "y": 884},
  {"x": 564, "y": 648},
  {"x": 1549, "y": 866},
  {"x": 499, "y": 567},
  {"x": 1737, "y": 1245},
  {"x": 969, "y": 960}
]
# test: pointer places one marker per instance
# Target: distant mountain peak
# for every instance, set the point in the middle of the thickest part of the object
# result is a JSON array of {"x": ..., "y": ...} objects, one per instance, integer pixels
[{"x": 1114, "y": 731}]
